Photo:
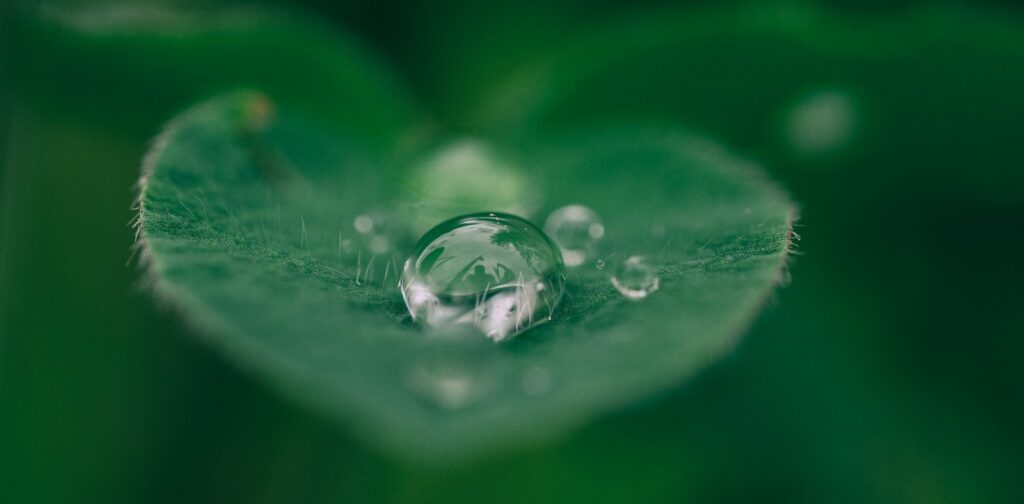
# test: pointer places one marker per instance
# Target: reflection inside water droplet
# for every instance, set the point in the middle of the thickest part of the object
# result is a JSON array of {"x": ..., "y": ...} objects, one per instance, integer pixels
[
  {"x": 495, "y": 272},
  {"x": 636, "y": 278},
  {"x": 576, "y": 229}
]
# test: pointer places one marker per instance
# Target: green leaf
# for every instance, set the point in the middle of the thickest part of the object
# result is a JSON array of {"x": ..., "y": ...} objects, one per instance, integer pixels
[
  {"x": 800, "y": 87},
  {"x": 243, "y": 217},
  {"x": 135, "y": 65}
]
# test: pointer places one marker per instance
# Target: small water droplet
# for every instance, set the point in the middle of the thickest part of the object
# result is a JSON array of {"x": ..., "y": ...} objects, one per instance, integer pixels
[
  {"x": 363, "y": 224},
  {"x": 378, "y": 234},
  {"x": 576, "y": 229},
  {"x": 600, "y": 264},
  {"x": 495, "y": 272},
  {"x": 636, "y": 278}
]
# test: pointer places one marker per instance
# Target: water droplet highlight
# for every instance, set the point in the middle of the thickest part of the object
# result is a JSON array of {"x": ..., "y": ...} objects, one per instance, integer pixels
[
  {"x": 492, "y": 271},
  {"x": 636, "y": 278},
  {"x": 576, "y": 229}
]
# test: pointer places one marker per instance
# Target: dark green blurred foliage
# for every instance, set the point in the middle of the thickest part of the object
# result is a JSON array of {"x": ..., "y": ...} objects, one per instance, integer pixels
[{"x": 889, "y": 371}]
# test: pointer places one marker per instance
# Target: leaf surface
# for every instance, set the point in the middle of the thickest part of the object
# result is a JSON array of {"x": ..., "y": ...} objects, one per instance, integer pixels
[{"x": 246, "y": 222}]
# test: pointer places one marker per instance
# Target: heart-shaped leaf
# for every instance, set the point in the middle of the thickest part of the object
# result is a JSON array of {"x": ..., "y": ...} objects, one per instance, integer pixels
[{"x": 281, "y": 239}]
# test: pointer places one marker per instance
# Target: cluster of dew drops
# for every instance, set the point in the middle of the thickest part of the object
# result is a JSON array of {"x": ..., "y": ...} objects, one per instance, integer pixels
[
  {"x": 500, "y": 275},
  {"x": 492, "y": 275},
  {"x": 577, "y": 229}
]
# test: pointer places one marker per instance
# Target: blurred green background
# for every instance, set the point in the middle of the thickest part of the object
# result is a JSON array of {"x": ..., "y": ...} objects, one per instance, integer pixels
[{"x": 890, "y": 370}]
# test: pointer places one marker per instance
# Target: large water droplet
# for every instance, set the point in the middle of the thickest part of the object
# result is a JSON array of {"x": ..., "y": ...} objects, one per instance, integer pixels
[
  {"x": 576, "y": 229},
  {"x": 495, "y": 272},
  {"x": 636, "y": 278}
]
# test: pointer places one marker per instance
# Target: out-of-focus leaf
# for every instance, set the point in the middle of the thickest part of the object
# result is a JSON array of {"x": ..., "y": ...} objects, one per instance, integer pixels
[{"x": 133, "y": 65}]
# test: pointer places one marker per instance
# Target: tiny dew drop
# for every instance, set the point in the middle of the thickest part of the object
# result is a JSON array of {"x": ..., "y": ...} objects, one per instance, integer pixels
[
  {"x": 492, "y": 271},
  {"x": 363, "y": 224},
  {"x": 636, "y": 278},
  {"x": 576, "y": 229},
  {"x": 376, "y": 231}
]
